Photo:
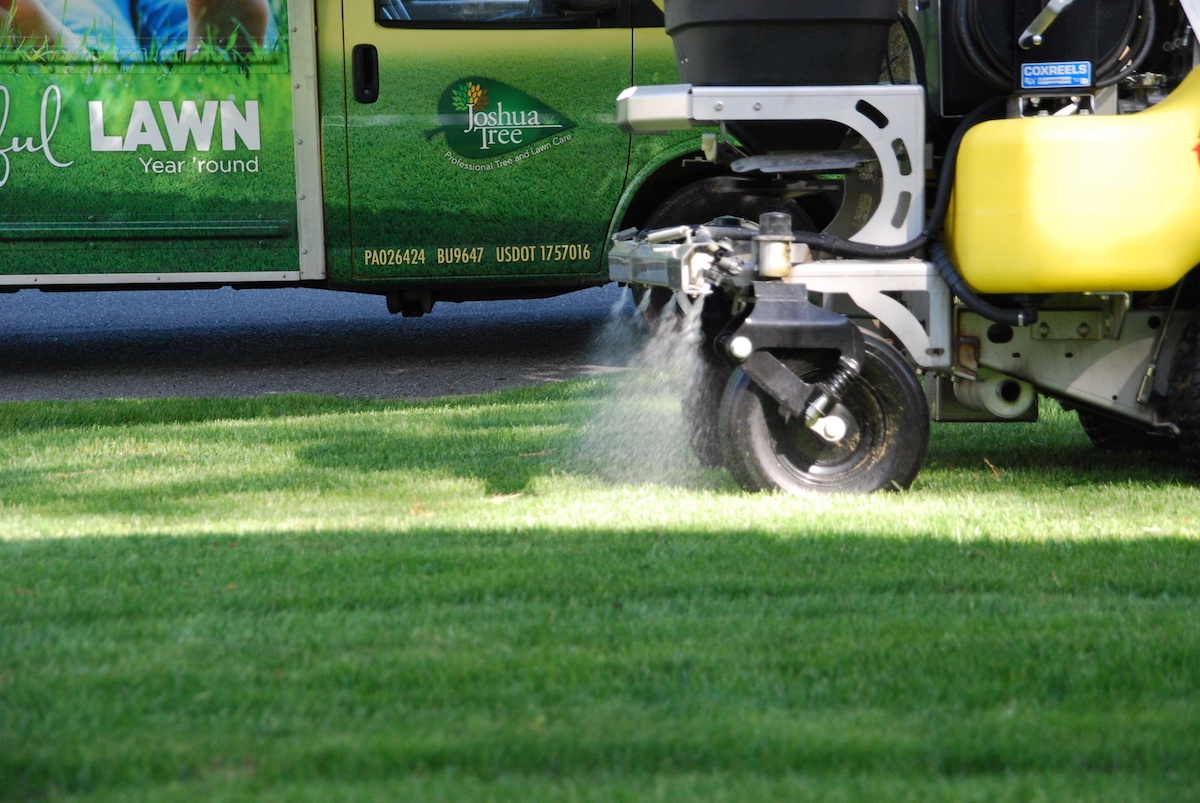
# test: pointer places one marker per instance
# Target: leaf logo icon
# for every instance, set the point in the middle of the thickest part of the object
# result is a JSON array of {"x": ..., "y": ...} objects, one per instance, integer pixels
[
  {"x": 478, "y": 97},
  {"x": 469, "y": 96},
  {"x": 460, "y": 97}
]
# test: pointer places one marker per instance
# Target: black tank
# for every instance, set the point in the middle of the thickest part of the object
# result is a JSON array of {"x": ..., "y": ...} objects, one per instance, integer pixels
[{"x": 781, "y": 43}]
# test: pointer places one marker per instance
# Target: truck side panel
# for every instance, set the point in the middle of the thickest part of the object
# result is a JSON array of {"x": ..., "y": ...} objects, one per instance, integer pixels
[
  {"x": 121, "y": 169},
  {"x": 488, "y": 164}
]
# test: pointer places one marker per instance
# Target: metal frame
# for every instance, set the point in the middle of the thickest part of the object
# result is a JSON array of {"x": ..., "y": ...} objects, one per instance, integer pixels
[
  {"x": 891, "y": 118},
  {"x": 1100, "y": 372},
  {"x": 306, "y": 127},
  {"x": 921, "y": 319}
]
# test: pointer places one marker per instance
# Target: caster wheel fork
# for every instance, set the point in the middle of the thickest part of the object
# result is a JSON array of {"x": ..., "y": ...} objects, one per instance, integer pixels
[{"x": 873, "y": 438}]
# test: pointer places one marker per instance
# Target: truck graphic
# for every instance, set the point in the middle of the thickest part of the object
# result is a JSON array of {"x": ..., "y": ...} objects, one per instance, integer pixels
[{"x": 421, "y": 151}]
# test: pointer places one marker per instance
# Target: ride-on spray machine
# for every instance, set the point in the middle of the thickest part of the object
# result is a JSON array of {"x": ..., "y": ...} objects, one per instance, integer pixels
[{"x": 1022, "y": 220}]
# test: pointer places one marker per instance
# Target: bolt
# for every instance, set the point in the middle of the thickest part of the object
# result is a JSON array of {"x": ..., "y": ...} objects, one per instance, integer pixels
[{"x": 830, "y": 428}]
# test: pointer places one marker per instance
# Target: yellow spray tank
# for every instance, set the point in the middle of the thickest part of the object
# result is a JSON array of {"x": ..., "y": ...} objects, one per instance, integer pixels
[{"x": 1080, "y": 203}]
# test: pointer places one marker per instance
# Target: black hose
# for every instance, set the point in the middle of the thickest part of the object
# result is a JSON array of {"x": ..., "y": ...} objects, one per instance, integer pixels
[
  {"x": 839, "y": 246},
  {"x": 990, "y": 65},
  {"x": 975, "y": 48},
  {"x": 937, "y": 218},
  {"x": 1110, "y": 61},
  {"x": 730, "y": 232},
  {"x": 913, "y": 37},
  {"x": 1144, "y": 45},
  {"x": 941, "y": 258},
  {"x": 958, "y": 286}
]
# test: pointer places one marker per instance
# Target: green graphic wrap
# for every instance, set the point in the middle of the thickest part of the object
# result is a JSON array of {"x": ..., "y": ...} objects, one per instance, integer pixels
[
  {"x": 129, "y": 168},
  {"x": 482, "y": 118}
]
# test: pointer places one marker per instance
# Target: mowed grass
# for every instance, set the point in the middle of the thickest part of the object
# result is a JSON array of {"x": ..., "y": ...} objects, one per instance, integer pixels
[{"x": 533, "y": 596}]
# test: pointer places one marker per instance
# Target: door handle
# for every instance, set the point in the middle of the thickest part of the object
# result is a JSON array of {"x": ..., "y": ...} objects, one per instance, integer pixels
[{"x": 364, "y": 71}]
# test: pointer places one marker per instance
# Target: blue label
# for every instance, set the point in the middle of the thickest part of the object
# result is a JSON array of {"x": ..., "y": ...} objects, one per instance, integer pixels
[{"x": 1056, "y": 75}]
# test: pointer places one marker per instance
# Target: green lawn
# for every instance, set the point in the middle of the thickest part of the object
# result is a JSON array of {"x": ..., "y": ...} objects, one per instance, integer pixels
[{"x": 535, "y": 596}]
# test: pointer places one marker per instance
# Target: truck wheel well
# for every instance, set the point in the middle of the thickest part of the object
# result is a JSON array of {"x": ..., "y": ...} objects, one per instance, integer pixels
[
  {"x": 672, "y": 177},
  {"x": 664, "y": 183}
]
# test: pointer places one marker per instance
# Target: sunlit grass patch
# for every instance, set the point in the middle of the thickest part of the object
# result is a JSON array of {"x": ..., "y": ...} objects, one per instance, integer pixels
[{"x": 304, "y": 598}]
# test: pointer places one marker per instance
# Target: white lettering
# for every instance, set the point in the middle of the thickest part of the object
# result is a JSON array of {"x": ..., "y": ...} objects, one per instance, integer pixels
[
  {"x": 143, "y": 128},
  {"x": 47, "y": 125},
  {"x": 503, "y": 127},
  {"x": 224, "y": 165},
  {"x": 245, "y": 127},
  {"x": 159, "y": 166},
  {"x": 101, "y": 142},
  {"x": 1054, "y": 70},
  {"x": 189, "y": 123}
]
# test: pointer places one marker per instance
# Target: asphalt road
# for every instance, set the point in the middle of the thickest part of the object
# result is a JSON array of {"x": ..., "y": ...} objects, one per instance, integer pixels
[{"x": 206, "y": 343}]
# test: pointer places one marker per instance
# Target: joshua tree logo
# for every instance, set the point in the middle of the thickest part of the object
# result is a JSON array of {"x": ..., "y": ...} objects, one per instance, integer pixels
[{"x": 482, "y": 118}]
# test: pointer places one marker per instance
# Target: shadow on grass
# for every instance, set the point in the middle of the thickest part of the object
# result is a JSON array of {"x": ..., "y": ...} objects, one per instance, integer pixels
[
  {"x": 504, "y": 461},
  {"x": 51, "y": 416},
  {"x": 508, "y": 456},
  {"x": 504, "y": 441},
  {"x": 1054, "y": 449},
  {"x": 338, "y": 658}
]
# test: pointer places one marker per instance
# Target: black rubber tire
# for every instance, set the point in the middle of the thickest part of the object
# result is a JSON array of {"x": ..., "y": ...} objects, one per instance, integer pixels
[
  {"x": 701, "y": 201},
  {"x": 1183, "y": 395},
  {"x": 883, "y": 449},
  {"x": 1112, "y": 435}
]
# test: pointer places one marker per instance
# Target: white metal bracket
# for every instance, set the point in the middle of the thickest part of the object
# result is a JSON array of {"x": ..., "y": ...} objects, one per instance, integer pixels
[{"x": 891, "y": 118}]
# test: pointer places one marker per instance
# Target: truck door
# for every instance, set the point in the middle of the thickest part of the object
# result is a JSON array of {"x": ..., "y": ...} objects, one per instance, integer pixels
[{"x": 480, "y": 139}]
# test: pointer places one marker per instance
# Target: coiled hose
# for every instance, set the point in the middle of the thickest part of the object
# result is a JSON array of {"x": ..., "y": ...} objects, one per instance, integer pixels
[{"x": 996, "y": 69}]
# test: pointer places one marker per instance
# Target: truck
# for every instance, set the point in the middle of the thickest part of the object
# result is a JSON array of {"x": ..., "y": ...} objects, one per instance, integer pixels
[
  {"x": 1015, "y": 218},
  {"x": 418, "y": 150}
]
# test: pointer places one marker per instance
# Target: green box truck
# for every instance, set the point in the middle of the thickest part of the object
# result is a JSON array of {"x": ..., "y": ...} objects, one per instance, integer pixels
[{"x": 421, "y": 150}]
